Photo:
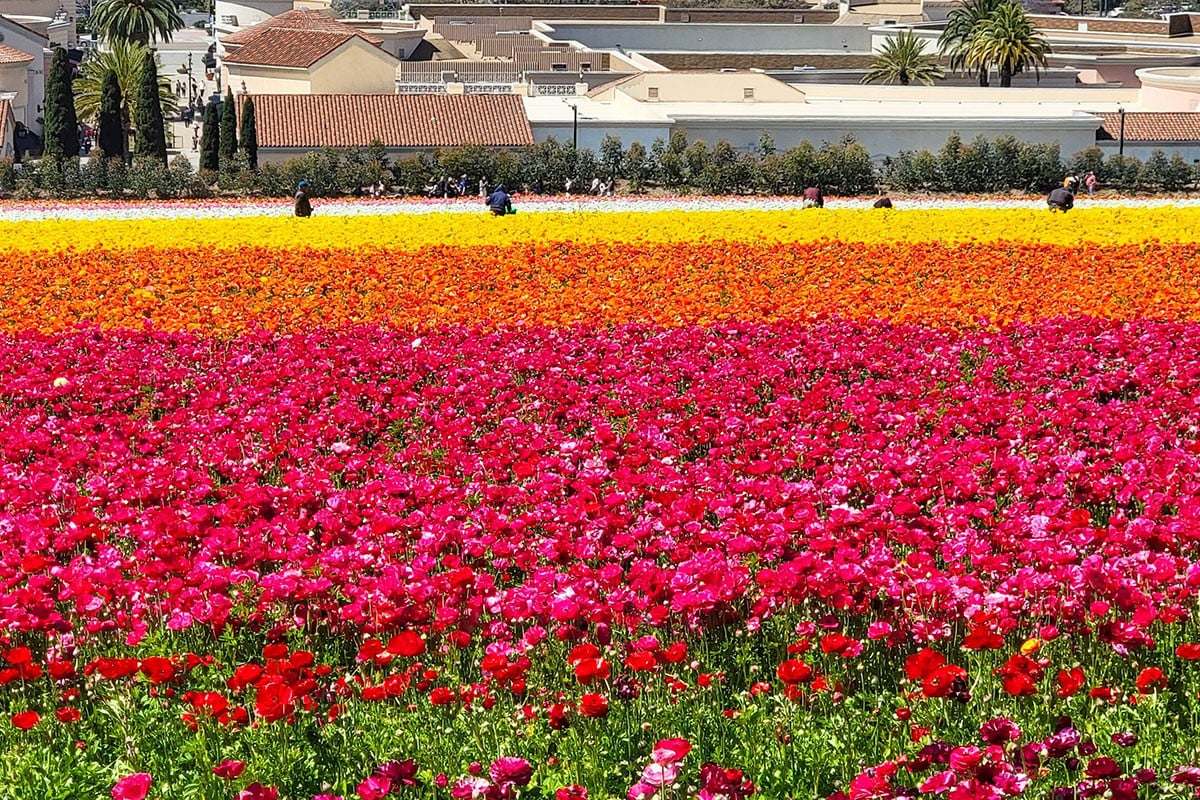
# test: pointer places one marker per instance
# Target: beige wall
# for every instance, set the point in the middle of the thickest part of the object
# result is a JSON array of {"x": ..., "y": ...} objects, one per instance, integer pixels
[
  {"x": 13, "y": 78},
  {"x": 268, "y": 80},
  {"x": 355, "y": 68}
]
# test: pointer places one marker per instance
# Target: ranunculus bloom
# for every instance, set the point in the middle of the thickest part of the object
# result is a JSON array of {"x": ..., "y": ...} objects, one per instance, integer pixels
[
  {"x": 593, "y": 705},
  {"x": 132, "y": 787},
  {"x": 375, "y": 787},
  {"x": 256, "y": 791},
  {"x": 660, "y": 774},
  {"x": 669, "y": 751},
  {"x": 26, "y": 719},
  {"x": 507, "y": 769},
  {"x": 229, "y": 769},
  {"x": 572, "y": 792}
]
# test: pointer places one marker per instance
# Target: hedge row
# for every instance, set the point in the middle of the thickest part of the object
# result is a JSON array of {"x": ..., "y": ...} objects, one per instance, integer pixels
[{"x": 844, "y": 168}]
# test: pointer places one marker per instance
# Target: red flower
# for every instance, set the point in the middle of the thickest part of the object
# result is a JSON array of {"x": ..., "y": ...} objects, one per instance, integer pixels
[
  {"x": 19, "y": 655},
  {"x": 1150, "y": 679},
  {"x": 794, "y": 671},
  {"x": 1188, "y": 652},
  {"x": 68, "y": 714},
  {"x": 919, "y": 665},
  {"x": 441, "y": 696},
  {"x": 229, "y": 769},
  {"x": 274, "y": 702},
  {"x": 1070, "y": 682},
  {"x": 26, "y": 720},
  {"x": 641, "y": 661},
  {"x": 593, "y": 705},
  {"x": 589, "y": 670},
  {"x": 157, "y": 669},
  {"x": 673, "y": 654},
  {"x": 406, "y": 644}
]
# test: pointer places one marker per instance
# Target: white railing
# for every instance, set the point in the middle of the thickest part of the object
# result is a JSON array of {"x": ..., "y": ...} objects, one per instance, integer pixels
[
  {"x": 420, "y": 88},
  {"x": 488, "y": 88},
  {"x": 554, "y": 89}
]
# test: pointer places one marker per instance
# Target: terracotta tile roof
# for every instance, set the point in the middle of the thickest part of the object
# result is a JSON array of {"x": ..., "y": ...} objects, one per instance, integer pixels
[
  {"x": 280, "y": 47},
  {"x": 1150, "y": 126},
  {"x": 296, "y": 20},
  {"x": 11, "y": 55},
  {"x": 397, "y": 120}
]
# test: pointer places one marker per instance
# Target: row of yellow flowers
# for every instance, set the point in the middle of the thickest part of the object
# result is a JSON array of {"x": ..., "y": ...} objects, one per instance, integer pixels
[{"x": 1090, "y": 226}]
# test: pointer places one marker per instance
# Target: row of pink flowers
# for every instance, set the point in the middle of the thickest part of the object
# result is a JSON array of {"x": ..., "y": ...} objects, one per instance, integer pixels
[{"x": 476, "y": 481}]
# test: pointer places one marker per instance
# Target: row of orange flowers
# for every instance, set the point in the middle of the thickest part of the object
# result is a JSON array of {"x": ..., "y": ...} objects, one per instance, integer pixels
[{"x": 226, "y": 291}]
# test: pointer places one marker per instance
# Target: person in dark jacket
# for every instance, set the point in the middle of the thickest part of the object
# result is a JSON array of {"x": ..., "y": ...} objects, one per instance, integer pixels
[
  {"x": 813, "y": 198},
  {"x": 499, "y": 202},
  {"x": 303, "y": 205},
  {"x": 1061, "y": 199}
]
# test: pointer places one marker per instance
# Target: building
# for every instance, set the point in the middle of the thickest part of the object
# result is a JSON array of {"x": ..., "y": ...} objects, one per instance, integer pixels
[
  {"x": 291, "y": 125},
  {"x": 24, "y": 61},
  {"x": 307, "y": 52},
  {"x": 1144, "y": 132},
  {"x": 739, "y": 107},
  {"x": 7, "y": 128}
]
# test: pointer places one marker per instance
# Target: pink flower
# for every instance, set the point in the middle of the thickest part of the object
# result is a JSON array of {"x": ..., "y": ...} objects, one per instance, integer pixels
[
  {"x": 669, "y": 751},
  {"x": 509, "y": 770},
  {"x": 375, "y": 787},
  {"x": 132, "y": 787},
  {"x": 470, "y": 788},
  {"x": 256, "y": 791},
  {"x": 660, "y": 774},
  {"x": 229, "y": 769},
  {"x": 640, "y": 791}
]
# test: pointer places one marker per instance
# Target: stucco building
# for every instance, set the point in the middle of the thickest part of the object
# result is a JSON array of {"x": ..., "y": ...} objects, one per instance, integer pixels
[{"x": 307, "y": 52}]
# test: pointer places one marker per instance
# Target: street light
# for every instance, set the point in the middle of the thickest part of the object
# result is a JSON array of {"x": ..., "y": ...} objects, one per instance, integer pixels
[
  {"x": 1121, "y": 133},
  {"x": 574, "y": 125}
]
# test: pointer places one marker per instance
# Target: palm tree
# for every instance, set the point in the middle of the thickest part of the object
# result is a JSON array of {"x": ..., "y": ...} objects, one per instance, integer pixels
[
  {"x": 961, "y": 26},
  {"x": 125, "y": 60},
  {"x": 135, "y": 21},
  {"x": 1008, "y": 39},
  {"x": 902, "y": 60}
]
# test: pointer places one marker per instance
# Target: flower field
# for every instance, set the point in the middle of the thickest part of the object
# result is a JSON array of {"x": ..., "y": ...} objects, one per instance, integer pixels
[{"x": 841, "y": 505}]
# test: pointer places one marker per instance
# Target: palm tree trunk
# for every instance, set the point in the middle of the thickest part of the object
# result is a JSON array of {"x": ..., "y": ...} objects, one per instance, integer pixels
[
  {"x": 983, "y": 76},
  {"x": 1005, "y": 76}
]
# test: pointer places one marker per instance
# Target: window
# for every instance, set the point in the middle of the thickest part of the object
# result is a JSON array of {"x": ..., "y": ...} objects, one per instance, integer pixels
[
  {"x": 748, "y": 93},
  {"x": 558, "y": 67},
  {"x": 652, "y": 92}
]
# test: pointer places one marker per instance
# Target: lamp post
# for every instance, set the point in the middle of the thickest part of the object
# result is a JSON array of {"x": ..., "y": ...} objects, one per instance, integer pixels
[
  {"x": 574, "y": 139},
  {"x": 1121, "y": 133}
]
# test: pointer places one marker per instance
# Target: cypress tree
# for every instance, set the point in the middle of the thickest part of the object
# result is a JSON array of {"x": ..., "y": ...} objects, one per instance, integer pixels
[
  {"x": 61, "y": 128},
  {"x": 148, "y": 117},
  {"x": 249, "y": 133},
  {"x": 111, "y": 137},
  {"x": 228, "y": 130},
  {"x": 210, "y": 148}
]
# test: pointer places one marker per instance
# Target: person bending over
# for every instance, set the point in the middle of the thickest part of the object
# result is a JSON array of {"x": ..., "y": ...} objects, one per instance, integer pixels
[{"x": 499, "y": 203}]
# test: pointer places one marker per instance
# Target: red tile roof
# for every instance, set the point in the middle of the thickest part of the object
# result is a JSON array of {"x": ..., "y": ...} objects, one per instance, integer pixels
[
  {"x": 1151, "y": 126},
  {"x": 280, "y": 47},
  {"x": 296, "y": 20},
  {"x": 397, "y": 120},
  {"x": 11, "y": 55}
]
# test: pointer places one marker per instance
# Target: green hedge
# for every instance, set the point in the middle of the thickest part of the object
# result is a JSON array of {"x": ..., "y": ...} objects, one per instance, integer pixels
[{"x": 843, "y": 168}]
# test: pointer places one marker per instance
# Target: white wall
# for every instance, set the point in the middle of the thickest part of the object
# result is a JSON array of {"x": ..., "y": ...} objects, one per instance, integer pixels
[
  {"x": 591, "y": 135},
  {"x": 881, "y": 137},
  {"x": 1189, "y": 150}
]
